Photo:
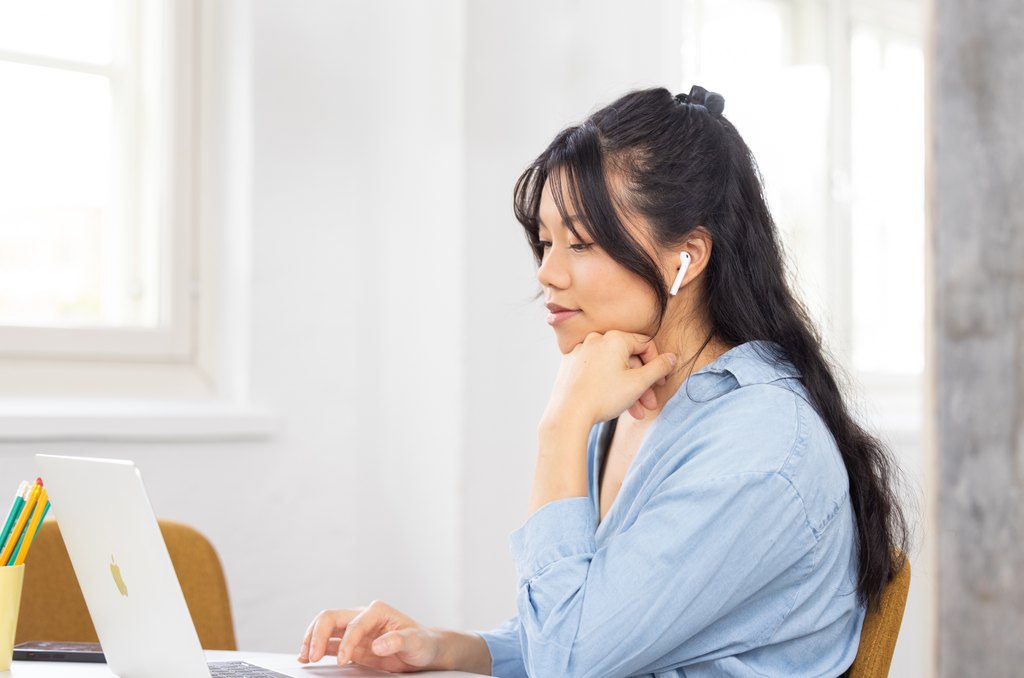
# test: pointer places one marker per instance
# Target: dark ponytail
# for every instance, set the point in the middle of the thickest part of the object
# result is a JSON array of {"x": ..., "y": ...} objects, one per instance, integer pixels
[{"x": 681, "y": 165}]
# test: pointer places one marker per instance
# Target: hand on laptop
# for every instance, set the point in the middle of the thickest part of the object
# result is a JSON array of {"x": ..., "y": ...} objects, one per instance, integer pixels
[
  {"x": 377, "y": 636},
  {"x": 381, "y": 637}
]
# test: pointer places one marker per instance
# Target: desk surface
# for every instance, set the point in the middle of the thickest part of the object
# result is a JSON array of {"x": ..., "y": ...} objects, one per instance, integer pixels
[{"x": 282, "y": 663}]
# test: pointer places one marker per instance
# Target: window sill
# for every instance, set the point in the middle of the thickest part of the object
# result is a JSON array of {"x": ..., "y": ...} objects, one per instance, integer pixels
[{"x": 46, "y": 420}]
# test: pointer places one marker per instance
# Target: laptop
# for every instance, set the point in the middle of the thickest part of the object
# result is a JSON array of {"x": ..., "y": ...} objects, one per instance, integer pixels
[{"x": 125, "y": 573}]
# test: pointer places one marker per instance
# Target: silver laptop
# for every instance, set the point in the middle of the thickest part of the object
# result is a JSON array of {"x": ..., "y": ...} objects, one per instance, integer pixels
[{"x": 125, "y": 573}]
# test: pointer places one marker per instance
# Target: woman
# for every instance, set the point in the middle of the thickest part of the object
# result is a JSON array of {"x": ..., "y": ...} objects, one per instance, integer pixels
[{"x": 703, "y": 502}]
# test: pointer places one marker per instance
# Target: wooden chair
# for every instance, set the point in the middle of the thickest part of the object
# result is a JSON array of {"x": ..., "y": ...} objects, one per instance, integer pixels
[
  {"x": 881, "y": 628},
  {"x": 52, "y": 606}
]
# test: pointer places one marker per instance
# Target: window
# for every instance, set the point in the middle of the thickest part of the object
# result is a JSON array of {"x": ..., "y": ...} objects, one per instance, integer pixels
[
  {"x": 116, "y": 270},
  {"x": 96, "y": 218},
  {"x": 887, "y": 210},
  {"x": 124, "y": 214},
  {"x": 830, "y": 98}
]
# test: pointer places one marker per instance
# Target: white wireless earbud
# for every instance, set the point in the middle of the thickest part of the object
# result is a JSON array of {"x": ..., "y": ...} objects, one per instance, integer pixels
[{"x": 684, "y": 263}]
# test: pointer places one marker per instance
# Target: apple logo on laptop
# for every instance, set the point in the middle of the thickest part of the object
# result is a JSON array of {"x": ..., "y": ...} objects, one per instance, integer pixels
[{"x": 118, "y": 580}]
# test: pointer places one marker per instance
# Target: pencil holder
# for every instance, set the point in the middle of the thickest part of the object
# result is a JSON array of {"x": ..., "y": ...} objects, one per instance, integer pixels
[{"x": 11, "y": 579}]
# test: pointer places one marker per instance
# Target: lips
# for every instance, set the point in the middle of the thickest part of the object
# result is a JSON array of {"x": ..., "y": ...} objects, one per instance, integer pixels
[{"x": 558, "y": 314}]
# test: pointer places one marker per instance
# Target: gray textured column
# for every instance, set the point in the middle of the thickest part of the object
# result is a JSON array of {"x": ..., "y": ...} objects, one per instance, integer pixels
[{"x": 978, "y": 281}]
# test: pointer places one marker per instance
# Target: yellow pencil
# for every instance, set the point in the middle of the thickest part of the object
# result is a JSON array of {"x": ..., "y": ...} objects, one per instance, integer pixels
[
  {"x": 33, "y": 526},
  {"x": 26, "y": 513}
]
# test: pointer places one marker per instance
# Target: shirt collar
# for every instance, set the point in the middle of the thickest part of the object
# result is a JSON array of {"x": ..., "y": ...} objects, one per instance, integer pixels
[{"x": 755, "y": 362}]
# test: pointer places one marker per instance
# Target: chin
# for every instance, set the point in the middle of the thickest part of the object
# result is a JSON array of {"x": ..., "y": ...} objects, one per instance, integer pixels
[{"x": 567, "y": 342}]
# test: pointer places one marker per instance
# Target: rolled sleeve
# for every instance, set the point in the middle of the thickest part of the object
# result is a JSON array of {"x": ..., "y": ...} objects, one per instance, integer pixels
[
  {"x": 506, "y": 650},
  {"x": 558, "y": 530}
]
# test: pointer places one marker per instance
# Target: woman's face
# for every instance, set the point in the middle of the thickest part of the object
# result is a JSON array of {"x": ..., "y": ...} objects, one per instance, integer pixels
[{"x": 585, "y": 290}]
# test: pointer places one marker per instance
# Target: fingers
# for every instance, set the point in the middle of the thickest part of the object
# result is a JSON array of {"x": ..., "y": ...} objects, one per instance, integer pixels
[
  {"x": 646, "y": 350},
  {"x": 648, "y": 399},
  {"x": 655, "y": 370},
  {"x": 616, "y": 355},
  {"x": 404, "y": 640},
  {"x": 304, "y": 648},
  {"x": 326, "y": 627},
  {"x": 376, "y": 616},
  {"x": 332, "y": 647},
  {"x": 357, "y": 628},
  {"x": 354, "y": 632},
  {"x": 644, "y": 378},
  {"x": 638, "y": 345},
  {"x": 317, "y": 643}
]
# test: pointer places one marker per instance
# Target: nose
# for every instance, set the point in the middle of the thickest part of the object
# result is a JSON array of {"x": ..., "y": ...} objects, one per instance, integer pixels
[{"x": 553, "y": 271}]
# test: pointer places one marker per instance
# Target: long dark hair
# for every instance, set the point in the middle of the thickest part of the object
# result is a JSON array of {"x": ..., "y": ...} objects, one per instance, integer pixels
[{"x": 681, "y": 165}]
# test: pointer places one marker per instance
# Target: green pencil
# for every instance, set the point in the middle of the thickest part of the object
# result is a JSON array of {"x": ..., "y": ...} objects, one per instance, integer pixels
[{"x": 12, "y": 517}]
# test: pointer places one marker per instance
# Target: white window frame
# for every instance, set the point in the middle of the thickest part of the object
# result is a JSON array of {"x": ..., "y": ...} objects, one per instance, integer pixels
[
  {"x": 188, "y": 384},
  {"x": 173, "y": 339},
  {"x": 898, "y": 398}
]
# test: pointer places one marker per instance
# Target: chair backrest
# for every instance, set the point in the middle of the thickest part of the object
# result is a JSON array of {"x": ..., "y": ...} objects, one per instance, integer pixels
[
  {"x": 881, "y": 628},
  {"x": 52, "y": 606}
]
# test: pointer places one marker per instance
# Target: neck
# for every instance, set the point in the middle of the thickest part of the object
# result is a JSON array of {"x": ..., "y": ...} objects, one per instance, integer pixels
[{"x": 688, "y": 335}]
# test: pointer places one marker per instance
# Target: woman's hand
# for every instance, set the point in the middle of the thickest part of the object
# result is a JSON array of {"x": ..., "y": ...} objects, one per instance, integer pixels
[
  {"x": 377, "y": 636},
  {"x": 647, "y": 400},
  {"x": 601, "y": 377},
  {"x": 605, "y": 375}
]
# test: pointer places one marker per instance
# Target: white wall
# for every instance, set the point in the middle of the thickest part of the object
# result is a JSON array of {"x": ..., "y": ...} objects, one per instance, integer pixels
[
  {"x": 357, "y": 200},
  {"x": 532, "y": 69},
  {"x": 386, "y": 311}
]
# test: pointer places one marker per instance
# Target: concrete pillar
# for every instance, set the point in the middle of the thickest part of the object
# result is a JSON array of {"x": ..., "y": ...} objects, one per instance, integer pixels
[{"x": 977, "y": 208}]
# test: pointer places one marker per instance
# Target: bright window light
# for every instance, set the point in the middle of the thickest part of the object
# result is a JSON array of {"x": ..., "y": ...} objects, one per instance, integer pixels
[
  {"x": 80, "y": 177},
  {"x": 851, "y": 220},
  {"x": 887, "y": 203},
  {"x": 76, "y": 30}
]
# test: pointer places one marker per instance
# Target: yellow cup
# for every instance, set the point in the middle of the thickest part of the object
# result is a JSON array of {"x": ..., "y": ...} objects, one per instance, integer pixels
[{"x": 11, "y": 579}]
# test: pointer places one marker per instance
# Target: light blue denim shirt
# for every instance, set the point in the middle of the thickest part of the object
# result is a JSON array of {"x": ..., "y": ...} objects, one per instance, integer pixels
[{"x": 730, "y": 549}]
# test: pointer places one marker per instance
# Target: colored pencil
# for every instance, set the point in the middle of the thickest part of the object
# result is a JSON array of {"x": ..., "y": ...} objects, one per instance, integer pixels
[
  {"x": 19, "y": 524},
  {"x": 46, "y": 509},
  {"x": 12, "y": 516},
  {"x": 25, "y": 541}
]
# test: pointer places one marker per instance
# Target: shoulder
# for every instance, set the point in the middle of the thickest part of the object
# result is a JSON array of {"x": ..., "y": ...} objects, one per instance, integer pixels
[
  {"x": 754, "y": 428},
  {"x": 748, "y": 406},
  {"x": 748, "y": 413}
]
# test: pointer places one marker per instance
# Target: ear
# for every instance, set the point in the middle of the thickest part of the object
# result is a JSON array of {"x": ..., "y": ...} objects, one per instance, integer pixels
[{"x": 698, "y": 245}]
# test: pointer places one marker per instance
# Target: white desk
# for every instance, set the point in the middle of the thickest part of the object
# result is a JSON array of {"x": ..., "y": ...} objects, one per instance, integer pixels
[{"x": 282, "y": 663}]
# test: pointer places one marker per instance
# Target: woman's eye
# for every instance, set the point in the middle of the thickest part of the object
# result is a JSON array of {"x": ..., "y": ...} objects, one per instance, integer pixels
[
  {"x": 543, "y": 244},
  {"x": 580, "y": 246}
]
